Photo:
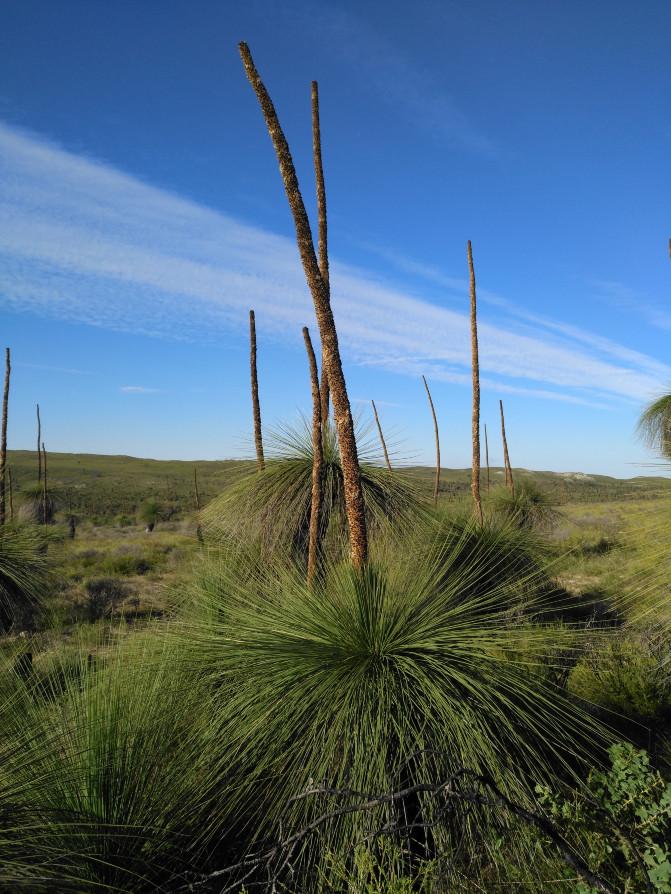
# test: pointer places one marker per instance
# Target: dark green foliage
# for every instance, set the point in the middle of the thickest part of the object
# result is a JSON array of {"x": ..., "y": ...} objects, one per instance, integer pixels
[
  {"x": 655, "y": 425},
  {"x": 105, "y": 782},
  {"x": 103, "y": 595},
  {"x": 25, "y": 575},
  {"x": 273, "y": 505},
  {"x": 622, "y": 822},
  {"x": 416, "y": 663},
  {"x": 528, "y": 507}
]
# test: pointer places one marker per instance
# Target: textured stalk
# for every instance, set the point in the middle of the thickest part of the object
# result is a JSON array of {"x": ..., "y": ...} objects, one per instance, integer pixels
[
  {"x": 487, "y": 456},
  {"x": 436, "y": 487},
  {"x": 379, "y": 431},
  {"x": 354, "y": 503},
  {"x": 39, "y": 445},
  {"x": 256, "y": 406},
  {"x": 3, "y": 441},
  {"x": 322, "y": 230},
  {"x": 475, "y": 365},
  {"x": 317, "y": 461},
  {"x": 506, "y": 457}
]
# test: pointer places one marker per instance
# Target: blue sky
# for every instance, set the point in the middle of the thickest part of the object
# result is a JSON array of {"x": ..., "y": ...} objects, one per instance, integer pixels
[{"x": 142, "y": 215}]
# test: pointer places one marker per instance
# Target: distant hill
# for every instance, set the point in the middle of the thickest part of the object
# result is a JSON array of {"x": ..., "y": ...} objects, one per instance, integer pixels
[{"x": 102, "y": 488}]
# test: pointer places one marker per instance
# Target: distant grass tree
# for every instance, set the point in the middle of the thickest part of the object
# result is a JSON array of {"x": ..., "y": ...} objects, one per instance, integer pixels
[{"x": 655, "y": 425}]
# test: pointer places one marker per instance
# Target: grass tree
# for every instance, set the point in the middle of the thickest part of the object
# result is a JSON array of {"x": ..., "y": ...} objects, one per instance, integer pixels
[
  {"x": 382, "y": 440},
  {"x": 436, "y": 486},
  {"x": 256, "y": 406},
  {"x": 273, "y": 507},
  {"x": 487, "y": 457},
  {"x": 424, "y": 663},
  {"x": 317, "y": 461},
  {"x": 655, "y": 425},
  {"x": 3, "y": 438},
  {"x": 319, "y": 289},
  {"x": 475, "y": 363}
]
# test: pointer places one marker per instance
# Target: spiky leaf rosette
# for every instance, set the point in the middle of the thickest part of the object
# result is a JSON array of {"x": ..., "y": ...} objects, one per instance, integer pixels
[
  {"x": 528, "y": 507},
  {"x": 104, "y": 780},
  {"x": 273, "y": 505},
  {"x": 25, "y": 574},
  {"x": 655, "y": 425},
  {"x": 403, "y": 673}
]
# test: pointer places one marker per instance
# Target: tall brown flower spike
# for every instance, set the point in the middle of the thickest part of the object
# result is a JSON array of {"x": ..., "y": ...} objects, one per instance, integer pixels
[
  {"x": 256, "y": 406},
  {"x": 475, "y": 363},
  {"x": 382, "y": 440},
  {"x": 354, "y": 503},
  {"x": 3, "y": 441},
  {"x": 506, "y": 457},
  {"x": 317, "y": 461}
]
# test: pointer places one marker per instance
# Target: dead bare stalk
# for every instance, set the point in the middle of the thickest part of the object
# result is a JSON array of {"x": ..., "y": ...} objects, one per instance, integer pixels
[
  {"x": 256, "y": 406},
  {"x": 354, "y": 502},
  {"x": 487, "y": 456},
  {"x": 436, "y": 487},
  {"x": 317, "y": 461},
  {"x": 3, "y": 442},
  {"x": 475, "y": 363},
  {"x": 379, "y": 430},
  {"x": 506, "y": 457}
]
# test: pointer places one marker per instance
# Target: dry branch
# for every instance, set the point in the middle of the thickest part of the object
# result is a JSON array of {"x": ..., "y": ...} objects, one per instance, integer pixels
[
  {"x": 256, "y": 407},
  {"x": 475, "y": 468},
  {"x": 436, "y": 486},
  {"x": 275, "y": 860},
  {"x": 379, "y": 430},
  {"x": 317, "y": 461},
  {"x": 353, "y": 493}
]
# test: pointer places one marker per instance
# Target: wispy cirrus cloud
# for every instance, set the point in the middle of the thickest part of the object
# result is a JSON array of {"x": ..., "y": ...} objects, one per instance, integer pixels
[
  {"x": 138, "y": 389},
  {"x": 82, "y": 241}
]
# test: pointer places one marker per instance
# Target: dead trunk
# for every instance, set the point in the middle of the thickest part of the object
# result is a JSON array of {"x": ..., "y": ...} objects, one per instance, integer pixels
[
  {"x": 436, "y": 487},
  {"x": 353, "y": 492},
  {"x": 475, "y": 363},
  {"x": 3, "y": 440},
  {"x": 317, "y": 462},
  {"x": 379, "y": 431},
  {"x": 256, "y": 407}
]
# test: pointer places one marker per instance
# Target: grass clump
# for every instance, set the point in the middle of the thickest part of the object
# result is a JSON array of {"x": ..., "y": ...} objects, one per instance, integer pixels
[
  {"x": 370, "y": 680},
  {"x": 272, "y": 505},
  {"x": 103, "y": 780},
  {"x": 527, "y": 507},
  {"x": 25, "y": 575}
]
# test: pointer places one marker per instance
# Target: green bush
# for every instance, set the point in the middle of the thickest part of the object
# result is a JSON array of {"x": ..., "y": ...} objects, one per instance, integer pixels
[
  {"x": 622, "y": 823},
  {"x": 630, "y": 675}
]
